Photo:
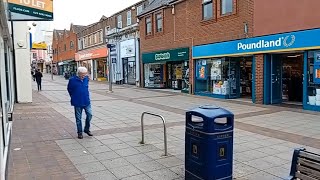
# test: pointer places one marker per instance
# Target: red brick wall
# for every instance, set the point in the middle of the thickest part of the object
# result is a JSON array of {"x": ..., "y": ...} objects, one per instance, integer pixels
[
  {"x": 66, "y": 38},
  {"x": 276, "y": 16},
  {"x": 259, "y": 78},
  {"x": 186, "y": 28}
]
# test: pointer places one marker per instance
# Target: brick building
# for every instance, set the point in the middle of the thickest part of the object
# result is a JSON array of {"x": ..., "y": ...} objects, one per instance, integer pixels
[
  {"x": 64, "y": 45},
  {"x": 169, "y": 29},
  {"x": 265, "y": 51},
  {"x": 122, "y": 30},
  {"x": 92, "y": 51}
]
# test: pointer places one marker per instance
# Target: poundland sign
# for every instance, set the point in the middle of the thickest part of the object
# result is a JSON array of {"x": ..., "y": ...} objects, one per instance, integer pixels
[
  {"x": 181, "y": 54},
  {"x": 282, "y": 41},
  {"x": 294, "y": 41}
]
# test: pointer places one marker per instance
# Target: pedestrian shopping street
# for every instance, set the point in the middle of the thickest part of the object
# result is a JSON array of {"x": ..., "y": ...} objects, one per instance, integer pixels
[{"x": 45, "y": 145}]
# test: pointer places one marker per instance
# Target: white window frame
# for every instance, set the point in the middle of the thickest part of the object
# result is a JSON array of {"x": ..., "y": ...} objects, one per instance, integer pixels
[
  {"x": 129, "y": 18},
  {"x": 139, "y": 9},
  {"x": 119, "y": 21},
  {"x": 224, "y": 9}
]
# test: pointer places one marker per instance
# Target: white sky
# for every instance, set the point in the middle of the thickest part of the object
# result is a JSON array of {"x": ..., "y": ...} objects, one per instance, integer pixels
[{"x": 85, "y": 12}]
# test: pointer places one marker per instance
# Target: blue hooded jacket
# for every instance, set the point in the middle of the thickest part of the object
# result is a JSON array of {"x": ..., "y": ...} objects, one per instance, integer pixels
[{"x": 79, "y": 91}]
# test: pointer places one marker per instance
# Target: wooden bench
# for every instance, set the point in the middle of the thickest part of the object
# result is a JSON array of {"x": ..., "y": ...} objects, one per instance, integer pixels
[{"x": 305, "y": 165}]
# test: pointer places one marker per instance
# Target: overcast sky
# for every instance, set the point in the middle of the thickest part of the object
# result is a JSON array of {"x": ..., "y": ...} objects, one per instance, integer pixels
[{"x": 84, "y": 12}]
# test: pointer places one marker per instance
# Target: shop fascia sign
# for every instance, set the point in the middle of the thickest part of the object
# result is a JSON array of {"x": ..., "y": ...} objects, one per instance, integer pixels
[
  {"x": 85, "y": 56},
  {"x": 162, "y": 56},
  {"x": 285, "y": 41},
  {"x": 23, "y": 10}
]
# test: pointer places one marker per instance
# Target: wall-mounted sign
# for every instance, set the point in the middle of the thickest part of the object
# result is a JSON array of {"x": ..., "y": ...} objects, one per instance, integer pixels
[
  {"x": 181, "y": 54},
  {"x": 39, "y": 46},
  {"x": 31, "y": 10},
  {"x": 128, "y": 48},
  {"x": 292, "y": 41},
  {"x": 91, "y": 54}
]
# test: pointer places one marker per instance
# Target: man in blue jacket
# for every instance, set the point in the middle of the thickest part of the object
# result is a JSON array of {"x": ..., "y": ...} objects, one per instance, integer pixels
[{"x": 78, "y": 88}]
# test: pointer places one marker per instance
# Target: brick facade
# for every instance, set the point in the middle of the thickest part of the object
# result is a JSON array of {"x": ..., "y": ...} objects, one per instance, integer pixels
[
  {"x": 64, "y": 44},
  {"x": 259, "y": 66},
  {"x": 183, "y": 27}
]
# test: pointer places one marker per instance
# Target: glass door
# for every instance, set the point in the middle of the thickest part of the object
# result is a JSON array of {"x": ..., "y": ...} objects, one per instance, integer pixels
[
  {"x": 234, "y": 78},
  {"x": 276, "y": 79}
]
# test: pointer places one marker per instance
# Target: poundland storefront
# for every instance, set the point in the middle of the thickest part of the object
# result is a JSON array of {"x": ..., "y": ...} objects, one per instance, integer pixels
[{"x": 274, "y": 69}]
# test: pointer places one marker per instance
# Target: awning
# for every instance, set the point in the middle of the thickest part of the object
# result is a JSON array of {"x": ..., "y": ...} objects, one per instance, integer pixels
[{"x": 94, "y": 53}]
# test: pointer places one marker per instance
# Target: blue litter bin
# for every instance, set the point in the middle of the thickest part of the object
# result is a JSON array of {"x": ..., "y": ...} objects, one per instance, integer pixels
[{"x": 209, "y": 143}]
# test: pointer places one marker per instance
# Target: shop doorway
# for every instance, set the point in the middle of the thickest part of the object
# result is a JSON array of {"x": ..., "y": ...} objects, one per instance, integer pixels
[
  {"x": 175, "y": 75},
  {"x": 286, "y": 78},
  {"x": 241, "y": 77},
  {"x": 129, "y": 71}
]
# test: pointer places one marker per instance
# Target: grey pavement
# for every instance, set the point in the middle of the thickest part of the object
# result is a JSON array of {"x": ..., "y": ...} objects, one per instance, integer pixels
[{"x": 264, "y": 136}]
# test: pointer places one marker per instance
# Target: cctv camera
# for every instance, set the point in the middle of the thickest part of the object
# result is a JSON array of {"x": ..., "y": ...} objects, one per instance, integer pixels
[{"x": 34, "y": 24}]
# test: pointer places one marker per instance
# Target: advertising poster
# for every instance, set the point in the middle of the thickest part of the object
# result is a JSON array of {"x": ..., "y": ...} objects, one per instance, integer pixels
[
  {"x": 317, "y": 68},
  {"x": 201, "y": 70}
]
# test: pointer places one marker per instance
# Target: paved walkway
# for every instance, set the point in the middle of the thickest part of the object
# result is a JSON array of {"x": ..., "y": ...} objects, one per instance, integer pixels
[{"x": 44, "y": 144}]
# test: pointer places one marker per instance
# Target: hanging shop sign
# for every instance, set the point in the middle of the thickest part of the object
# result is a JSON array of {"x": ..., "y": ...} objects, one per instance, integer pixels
[
  {"x": 292, "y": 41},
  {"x": 181, "y": 54},
  {"x": 39, "y": 46},
  {"x": 31, "y": 10}
]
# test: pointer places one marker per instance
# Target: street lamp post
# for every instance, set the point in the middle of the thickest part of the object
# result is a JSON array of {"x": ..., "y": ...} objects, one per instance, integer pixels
[{"x": 111, "y": 50}]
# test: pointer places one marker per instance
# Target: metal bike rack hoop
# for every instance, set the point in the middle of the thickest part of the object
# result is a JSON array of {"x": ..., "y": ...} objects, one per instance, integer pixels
[{"x": 164, "y": 129}]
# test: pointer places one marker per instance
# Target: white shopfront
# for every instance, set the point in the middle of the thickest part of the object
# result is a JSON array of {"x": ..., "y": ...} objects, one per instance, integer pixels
[{"x": 130, "y": 61}]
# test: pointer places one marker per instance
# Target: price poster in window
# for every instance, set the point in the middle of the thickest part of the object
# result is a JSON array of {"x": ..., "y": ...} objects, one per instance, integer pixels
[{"x": 317, "y": 68}]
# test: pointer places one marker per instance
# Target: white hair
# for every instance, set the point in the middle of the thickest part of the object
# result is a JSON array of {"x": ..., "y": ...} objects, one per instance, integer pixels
[{"x": 82, "y": 70}]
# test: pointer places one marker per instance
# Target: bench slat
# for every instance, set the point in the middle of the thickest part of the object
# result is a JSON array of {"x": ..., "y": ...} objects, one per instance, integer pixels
[
  {"x": 305, "y": 162},
  {"x": 309, "y": 172},
  {"x": 304, "y": 177},
  {"x": 310, "y": 156}
]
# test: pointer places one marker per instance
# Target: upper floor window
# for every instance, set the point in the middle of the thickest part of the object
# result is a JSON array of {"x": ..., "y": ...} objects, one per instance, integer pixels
[
  {"x": 100, "y": 36},
  {"x": 148, "y": 26},
  {"x": 207, "y": 9},
  {"x": 159, "y": 22},
  {"x": 226, "y": 6},
  {"x": 119, "y": 20},
  {"x": 94, "y": 38},
  {"x": 128, "y": 18},
  {"x": 71, "y": 45},
  {"x": 89, "y": 41},
  {"x": 139, "y": 9},
  {"x": 65, "y": 47},
  {"x": 34, "y": 55}
]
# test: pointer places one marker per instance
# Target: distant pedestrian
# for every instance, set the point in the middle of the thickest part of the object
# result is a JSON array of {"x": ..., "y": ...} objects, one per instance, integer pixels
[
  {"x": 78, "y": 88},
  {"x": 38, "y": 76},
  {"x": 32, "y": 74}
]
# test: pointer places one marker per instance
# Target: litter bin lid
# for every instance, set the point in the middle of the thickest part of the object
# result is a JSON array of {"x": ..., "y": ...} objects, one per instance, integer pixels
[{"x": 209, "y": 107}]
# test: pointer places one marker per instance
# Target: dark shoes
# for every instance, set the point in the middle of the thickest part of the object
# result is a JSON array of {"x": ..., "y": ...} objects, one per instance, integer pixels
[
  {"x": 89, "y": 133},
  {"x": 80, "y": 136}
]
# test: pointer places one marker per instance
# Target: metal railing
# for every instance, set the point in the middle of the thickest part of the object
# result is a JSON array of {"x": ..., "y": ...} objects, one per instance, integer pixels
[{"x": 164, "y": 130}]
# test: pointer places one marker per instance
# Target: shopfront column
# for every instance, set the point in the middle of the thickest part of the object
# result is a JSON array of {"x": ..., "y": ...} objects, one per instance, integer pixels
[{"x": 258, "y": 84}]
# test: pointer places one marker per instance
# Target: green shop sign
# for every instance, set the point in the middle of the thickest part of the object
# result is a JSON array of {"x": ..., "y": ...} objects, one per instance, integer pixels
[{"x": 181, "y": 54}]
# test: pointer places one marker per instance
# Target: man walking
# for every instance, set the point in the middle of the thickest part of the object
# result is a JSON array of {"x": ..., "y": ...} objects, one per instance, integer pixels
[
  {"x": 78, "y": 88},
  {"x": 38, "y": 77}
]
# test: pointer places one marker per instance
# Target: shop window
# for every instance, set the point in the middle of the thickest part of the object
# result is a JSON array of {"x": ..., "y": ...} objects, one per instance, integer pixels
[
  {"x": 212, "y": 76},
  {"x": 313, "y": 75},
  {"x": 153, "y": 75},
  {"x": 128, "y": 18},
  {"x": 159, "y": 22},
  {"x": 207, "y": 9},
  {"x": 148, "y": 26},
  {"x": 226, "y": 7}
]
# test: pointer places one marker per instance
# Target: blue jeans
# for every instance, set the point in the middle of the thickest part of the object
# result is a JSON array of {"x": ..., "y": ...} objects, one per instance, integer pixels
[{"x": 78, "y": 114}]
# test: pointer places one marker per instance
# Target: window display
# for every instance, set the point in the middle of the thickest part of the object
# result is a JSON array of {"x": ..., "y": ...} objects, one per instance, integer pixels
[
  {"x": 313, "y": 84},
  {"x": 101, "y": 68},
  {"x": 212, "y": 76},
  {"x": 154, "y": 75}
]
